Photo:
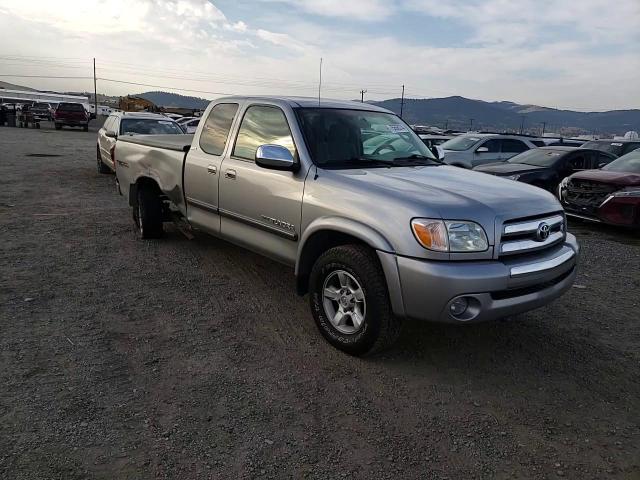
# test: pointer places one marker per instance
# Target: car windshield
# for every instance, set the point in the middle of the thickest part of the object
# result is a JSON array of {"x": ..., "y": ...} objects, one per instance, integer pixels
[
  {"x": 343, "y": 138},
  {"x": 41, "y": 105},
  {"x": 461, "y": 143},
  {"x": 627, "y": 163},
  {"x": 537, "y": 157},
  {"x": 148, "y": 126}
]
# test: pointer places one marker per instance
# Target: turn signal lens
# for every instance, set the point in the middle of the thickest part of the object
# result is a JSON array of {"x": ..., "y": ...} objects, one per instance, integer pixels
[{"x": 431, "y": 234}]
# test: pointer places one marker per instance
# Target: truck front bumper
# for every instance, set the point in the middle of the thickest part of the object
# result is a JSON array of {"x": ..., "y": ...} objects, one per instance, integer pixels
[{"x": 437, "y": 291}]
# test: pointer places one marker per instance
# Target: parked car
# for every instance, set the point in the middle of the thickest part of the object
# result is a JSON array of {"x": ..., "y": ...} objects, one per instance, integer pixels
[
  {"x": 42, "y": 111},
  {"x": 127, "y": 123},
  {"x": 26, "y": 116},
  {"x": 182, "y": 120},
  {"x": 190, "y": 126},
  {"x": 434, "y": 143},
  {"x": 372, "y": 237},
  {"x": 617, "y": 147},
  {"x": 69, "y": 114},
  {"x": 557, "y": 142},
  {"x": 471, "y": 150},
  {"x": 610, "y": 195},
  {"x": 545, "y": 167}
]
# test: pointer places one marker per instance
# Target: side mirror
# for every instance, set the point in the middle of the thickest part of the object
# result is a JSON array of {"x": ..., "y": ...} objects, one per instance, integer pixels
[
  {"x": 275, "y": 157},
  {"x": 482, "y": 150},
  {"x": 110, "y": 134}
]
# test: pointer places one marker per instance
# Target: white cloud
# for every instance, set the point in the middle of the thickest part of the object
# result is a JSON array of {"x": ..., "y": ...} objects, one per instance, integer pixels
[{"x": 368, "y": 10}]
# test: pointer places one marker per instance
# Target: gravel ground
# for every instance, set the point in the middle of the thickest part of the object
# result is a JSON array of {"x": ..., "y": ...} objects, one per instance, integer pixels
[{"x": 191, "y": 359}]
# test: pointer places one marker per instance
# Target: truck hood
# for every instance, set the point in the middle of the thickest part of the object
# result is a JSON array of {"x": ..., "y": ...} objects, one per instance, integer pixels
[
  {"x": 451, "y": 192},
  {"x": 625, "y": 179}
]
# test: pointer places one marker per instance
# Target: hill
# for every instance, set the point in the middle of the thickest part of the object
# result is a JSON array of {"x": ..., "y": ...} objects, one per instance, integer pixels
[
  {"x": 167, "y": 99},
  {"x": 12, "y": 86},
  {"x": 457, "y": 112}
]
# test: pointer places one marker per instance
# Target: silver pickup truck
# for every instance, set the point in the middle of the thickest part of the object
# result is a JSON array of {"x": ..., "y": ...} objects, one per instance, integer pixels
[{"x": 377, "y": 229}]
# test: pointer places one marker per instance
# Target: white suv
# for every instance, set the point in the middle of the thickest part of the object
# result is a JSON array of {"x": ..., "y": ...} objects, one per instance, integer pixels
[{"x": 471, "y": 149}]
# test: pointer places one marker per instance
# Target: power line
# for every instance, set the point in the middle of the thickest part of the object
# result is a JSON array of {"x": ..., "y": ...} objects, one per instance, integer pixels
[{"x": 162, "y": 86}]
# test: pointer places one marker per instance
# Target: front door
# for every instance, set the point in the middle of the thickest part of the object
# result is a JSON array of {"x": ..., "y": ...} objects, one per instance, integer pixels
[
  {"x": 261, "y": 208},
  {"x": 202, "y": 169},
  {"x": 492, "y": 153}
]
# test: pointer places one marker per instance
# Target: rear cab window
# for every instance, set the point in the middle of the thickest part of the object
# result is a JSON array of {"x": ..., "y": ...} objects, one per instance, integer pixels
[{"x": 215, "y": 132}]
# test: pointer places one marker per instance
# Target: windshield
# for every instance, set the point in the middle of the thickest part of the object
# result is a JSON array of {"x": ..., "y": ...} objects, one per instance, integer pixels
[
  {"x": 148, "y": 126},
  {"x": 458, "y": 144},
  {"x": 342, "y": 138},
  {"x": 627, "y": 163},
  {"x": 537, "y": 157}
]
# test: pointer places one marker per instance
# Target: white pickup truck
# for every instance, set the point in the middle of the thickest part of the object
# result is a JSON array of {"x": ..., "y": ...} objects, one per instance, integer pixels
[{"x": 376, "y": 228}]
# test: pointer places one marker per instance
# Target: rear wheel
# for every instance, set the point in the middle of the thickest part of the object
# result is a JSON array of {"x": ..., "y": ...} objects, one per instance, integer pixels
[
  {"x": 350, "y": 301},
  {"x": 102, "y": 168},
  {"x": 147, "y": 213},
  {"x": 85, "y": 128},
  {"x": 58, "y": 126}
]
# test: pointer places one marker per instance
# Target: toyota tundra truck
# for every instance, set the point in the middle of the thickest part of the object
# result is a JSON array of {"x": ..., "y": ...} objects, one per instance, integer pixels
[{"x": 376, "y": 228}]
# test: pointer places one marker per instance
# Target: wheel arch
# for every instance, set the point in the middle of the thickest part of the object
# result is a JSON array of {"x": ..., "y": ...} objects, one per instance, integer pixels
[{"x": 142, "y": 181}]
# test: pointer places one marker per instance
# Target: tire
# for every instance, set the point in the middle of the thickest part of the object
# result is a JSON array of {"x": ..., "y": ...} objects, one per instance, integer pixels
[
  {"x": 102, "y": 168},
  {"x": 85, "y": 128},
  {"x": 379, "y": 328},
  {"x": 37, "y": 125},
  {"x": 58, "y": 126},
  {"x": 147, "y": 214}
]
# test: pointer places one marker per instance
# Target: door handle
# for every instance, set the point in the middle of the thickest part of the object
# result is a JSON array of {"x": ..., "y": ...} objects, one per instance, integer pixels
[
  {"x": 230, "y": 174},
  {"x": 212, "y": 169}
]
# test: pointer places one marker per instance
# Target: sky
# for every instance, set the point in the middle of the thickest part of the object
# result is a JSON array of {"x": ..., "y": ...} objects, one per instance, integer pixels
[{"x": 572, "y": 54}]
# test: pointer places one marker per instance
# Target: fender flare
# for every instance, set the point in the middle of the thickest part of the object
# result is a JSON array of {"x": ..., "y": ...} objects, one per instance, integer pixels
[
  {"x": 363, "y": 232},
  {"x": 133, "y": 186}
]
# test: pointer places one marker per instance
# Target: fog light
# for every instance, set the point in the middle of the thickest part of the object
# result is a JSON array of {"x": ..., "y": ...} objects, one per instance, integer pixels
[{"x": 458, "y": 306}]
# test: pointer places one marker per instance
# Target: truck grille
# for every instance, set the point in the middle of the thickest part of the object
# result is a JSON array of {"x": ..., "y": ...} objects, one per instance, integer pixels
[
  {"x": 531, "y": 234},
  {"x": 586, "y": 196}
]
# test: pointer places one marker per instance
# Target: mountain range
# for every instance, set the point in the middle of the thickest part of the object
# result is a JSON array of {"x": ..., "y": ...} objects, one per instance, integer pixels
[{"x": 457, "y": 113}]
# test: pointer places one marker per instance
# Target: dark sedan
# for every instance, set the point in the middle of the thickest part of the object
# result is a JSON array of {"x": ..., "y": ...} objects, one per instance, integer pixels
[
  {"x": 545, "y": 167},
  {"x": 610, "y": 195}
]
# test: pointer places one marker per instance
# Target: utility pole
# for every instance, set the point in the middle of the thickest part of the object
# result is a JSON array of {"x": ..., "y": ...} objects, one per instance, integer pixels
[
  {"x": 544, "y": 125},
  {"x": 402, "y": 102},
  {"x": 446, "y": 124},
  {"x": 470, "y": 124},
  {"x": 320, "y": 82},
  {"x": 95, "y": 88},
  {"x": 522, "y": 125},
  {"x": 362, "y": 92}
]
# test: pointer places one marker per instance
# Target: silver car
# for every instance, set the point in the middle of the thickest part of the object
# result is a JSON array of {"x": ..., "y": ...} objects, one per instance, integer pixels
[
  {"x": 129, "y": 123},
  {"x": 471, "y": 150}
]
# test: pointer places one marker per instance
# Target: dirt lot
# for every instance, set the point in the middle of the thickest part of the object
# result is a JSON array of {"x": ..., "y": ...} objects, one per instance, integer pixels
[{"x": 185, "y": 359}]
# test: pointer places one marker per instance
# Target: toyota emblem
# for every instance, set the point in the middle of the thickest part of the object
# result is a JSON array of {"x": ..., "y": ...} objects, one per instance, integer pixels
[{"x": 543, "y": 232}]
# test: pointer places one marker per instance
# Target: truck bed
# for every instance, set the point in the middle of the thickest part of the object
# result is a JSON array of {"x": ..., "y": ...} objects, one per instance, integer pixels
[
  {"x": 160, "y": 157},
  {"x": 180, "y": 143}
]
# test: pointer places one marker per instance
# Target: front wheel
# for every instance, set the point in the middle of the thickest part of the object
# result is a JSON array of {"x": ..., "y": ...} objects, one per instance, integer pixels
[
  {"x": 58, "y": 126},
  {"x": 102, "y": 168},
  {"x": 350, "y": 301}
]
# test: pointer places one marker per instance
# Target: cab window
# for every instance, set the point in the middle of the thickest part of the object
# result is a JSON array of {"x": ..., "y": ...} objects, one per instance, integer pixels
[
  {"x": 216, "y": 129},
  {"x": 492, "y": 145},
  {"x": 513, "y": 146},
  {"x": 262, "y": 125}
]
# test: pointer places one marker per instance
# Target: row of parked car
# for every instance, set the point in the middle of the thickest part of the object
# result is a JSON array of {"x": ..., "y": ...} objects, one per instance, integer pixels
[{"x": 597, "y": 180}]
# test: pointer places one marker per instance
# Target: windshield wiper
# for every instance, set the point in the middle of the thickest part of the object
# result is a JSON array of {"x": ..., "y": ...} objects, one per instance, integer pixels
[{"x": 417, "y": 158}]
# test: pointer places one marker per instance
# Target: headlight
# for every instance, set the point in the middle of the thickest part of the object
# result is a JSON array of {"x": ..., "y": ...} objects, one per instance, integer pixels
[
  {"x": 564, "y": 182},
  {"x": 627, "y": 192},
  {"x": 450, "y": 235},
  {"x": 513, "y": 177}
]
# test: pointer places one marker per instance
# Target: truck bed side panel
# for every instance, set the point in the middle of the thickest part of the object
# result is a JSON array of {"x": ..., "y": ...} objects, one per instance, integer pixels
[{"x": 135, "y": 160}]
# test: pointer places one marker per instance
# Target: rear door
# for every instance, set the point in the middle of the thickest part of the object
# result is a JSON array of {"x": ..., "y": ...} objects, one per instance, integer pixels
[
  {"x": 203, "y": 164},
  {"x": 261, "y": 208}
]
